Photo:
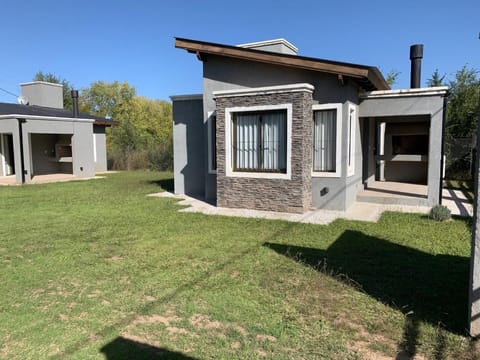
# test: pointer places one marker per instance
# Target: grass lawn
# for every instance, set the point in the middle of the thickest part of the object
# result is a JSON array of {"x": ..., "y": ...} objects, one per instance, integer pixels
[{"x": 95, "y": 269}]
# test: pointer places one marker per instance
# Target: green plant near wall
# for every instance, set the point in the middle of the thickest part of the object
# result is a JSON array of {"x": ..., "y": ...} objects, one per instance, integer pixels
[{"x": 440, "y": 213}]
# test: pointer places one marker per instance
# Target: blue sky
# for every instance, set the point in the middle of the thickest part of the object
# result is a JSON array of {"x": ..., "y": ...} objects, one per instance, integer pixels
[{"x": 133, "y": 41}]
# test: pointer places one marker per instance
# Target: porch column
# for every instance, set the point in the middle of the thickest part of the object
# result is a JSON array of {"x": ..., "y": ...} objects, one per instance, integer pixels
[
  {"x": 17, "y": 156},
  {"x": 435, "y": 158},
  {"x": 381, "y": 150}
]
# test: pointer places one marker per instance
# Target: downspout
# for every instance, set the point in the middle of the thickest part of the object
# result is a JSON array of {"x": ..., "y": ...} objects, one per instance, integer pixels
[
  {"x": 22, "y": 159},
  {"x": 442, "y": 150}
]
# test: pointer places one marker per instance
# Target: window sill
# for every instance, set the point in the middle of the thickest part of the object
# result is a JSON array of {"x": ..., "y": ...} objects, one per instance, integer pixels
[
  {"x": 258, "y": 175},
  {"x": 318, "y": 174}
]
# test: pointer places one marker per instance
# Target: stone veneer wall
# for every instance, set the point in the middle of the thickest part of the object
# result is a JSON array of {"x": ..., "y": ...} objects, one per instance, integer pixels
[{"x": 284, "y": 195}]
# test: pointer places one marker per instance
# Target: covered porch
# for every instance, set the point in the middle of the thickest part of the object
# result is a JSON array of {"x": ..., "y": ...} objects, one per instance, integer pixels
[
  {"x": 407, "y": 194},
  {"x": 402, "y": 146}
]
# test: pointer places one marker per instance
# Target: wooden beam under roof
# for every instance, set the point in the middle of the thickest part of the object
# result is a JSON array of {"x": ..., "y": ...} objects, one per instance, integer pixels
[{"x": 371, "y": 76}]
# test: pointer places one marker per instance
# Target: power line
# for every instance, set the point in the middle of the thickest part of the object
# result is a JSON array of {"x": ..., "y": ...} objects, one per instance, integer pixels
[{"x": 8, "y": 92}]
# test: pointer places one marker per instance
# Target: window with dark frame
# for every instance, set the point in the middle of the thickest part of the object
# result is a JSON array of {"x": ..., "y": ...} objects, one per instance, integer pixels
[{"x": 260, "y": 141}]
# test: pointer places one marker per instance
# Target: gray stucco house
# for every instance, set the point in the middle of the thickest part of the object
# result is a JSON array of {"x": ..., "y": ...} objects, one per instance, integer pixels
[
  {"x": 277, "y": 131},
  {"x": 42, "y": 137}
]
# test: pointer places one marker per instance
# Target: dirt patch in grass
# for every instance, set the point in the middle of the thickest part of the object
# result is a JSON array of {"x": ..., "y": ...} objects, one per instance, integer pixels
[
  {"x": 204, "y": 322},
  {"x": 261, "y": 337},
  {"x": 152, "y": 319}
]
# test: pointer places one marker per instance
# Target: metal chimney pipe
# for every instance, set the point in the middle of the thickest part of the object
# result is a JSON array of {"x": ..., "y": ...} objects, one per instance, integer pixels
[
  {"x": 74, "y": 94},
  {"x": 416, "y": 55}
]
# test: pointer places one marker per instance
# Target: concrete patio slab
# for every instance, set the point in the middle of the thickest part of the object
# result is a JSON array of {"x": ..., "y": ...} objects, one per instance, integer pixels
[{"x": 44, "y": 179}]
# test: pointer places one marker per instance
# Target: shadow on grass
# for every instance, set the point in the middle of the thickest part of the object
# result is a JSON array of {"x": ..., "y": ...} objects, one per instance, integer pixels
[
  {"x": 122, "y": 348},
  {"x": 165, "y": 184},
  {"x": 430, "y": 288}
]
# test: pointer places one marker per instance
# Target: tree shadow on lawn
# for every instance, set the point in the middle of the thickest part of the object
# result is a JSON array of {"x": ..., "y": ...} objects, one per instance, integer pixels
[
  {"x": 430, "y": 288},
  {"x": 121, "y": 348}
]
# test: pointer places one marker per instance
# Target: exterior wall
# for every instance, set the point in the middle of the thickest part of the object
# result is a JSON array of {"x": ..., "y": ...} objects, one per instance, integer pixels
[
  {"x": 100, "y": 148},
  {"x": 289, "y": 195},
  {"x": 82, "y": 143},
  {"x": 42, "y": 93},
  {"x": 10, "y": 126},
  {"x": 189, "y": 163},
  {"x": 368, "y": 138},
  {"x": 82, "y": 150},
  {"x": 228, "y": 74},
  {"x": 339, "y": 193},
  {"x": 353, "y": 183},
  {"x": 429, "y": 105},
  {"x": 82, "y": 146}
]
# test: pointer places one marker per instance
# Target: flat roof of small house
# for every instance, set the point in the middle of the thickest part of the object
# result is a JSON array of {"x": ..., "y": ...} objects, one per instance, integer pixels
[{"x": 368, "y": 77}]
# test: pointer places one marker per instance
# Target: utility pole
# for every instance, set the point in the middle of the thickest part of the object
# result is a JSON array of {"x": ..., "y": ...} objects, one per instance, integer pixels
[{"x": 474, "y": 284}]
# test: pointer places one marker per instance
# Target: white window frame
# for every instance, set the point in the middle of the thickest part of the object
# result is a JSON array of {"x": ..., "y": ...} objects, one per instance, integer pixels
[
  {"x": 228, "y": 142},
  {"x": 338, "y": 149},
  {"x": 210, "y": 114},
  {"x": 352, "y": 121}
]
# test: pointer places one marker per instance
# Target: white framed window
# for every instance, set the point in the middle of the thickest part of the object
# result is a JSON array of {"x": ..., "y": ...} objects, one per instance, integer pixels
[
  {"x": 212, "y": 142},
  {"x": 258, "y": 141},
  {"x": 352, "y": 126},
  {"x": 327, "y": 140}
]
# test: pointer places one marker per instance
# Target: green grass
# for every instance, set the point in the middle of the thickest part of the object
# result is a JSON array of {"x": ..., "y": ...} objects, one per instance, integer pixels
[{"x": 96, "y": 269}]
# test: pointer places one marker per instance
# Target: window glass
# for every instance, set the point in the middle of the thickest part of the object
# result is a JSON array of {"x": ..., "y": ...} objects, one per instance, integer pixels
[
  {"x": 325, "y": 140},
  {"x": 259, "y": 141}
]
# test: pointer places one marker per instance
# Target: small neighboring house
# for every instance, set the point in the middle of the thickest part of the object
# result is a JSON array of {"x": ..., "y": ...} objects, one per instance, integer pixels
[
  {"x": 44, "y": 138},
  {"x": 277, "y": 131}
]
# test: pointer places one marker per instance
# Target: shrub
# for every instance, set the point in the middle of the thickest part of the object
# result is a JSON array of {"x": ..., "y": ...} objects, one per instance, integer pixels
[{"x": 439, "y": 213}]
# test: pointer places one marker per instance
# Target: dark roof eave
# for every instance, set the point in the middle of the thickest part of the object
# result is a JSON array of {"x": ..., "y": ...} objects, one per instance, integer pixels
[
  {"x": 106, "y": 123},
  {"x": 42, "y": 111},
  {"x": 371, "y": 74}
]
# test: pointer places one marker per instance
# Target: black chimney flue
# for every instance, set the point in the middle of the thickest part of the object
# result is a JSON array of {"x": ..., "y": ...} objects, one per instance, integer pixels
[
  {"x": 416, "y": 55},
  {"x": 74, "y": 94}
]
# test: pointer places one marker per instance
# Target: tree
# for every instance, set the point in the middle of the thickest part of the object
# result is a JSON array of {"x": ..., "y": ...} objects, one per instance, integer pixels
[
  {"x": 107, "y": 99},
  {"x": 392, "y": 77},
  {"x": 463, "y": 103},
  {"x": 52, "y": 78},
  {"x": 462, "y": 118},
  {"x": 436, "y": 79},
  {"x": 143, "y": 137}
]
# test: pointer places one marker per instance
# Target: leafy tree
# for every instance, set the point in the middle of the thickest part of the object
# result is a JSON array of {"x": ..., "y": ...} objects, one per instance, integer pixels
[
  {"x": 436, "y": 79},
  {"x": 462, "y": 120},
  {"x": 52, "y": 78},
  {"x": 143, "y": 137},
  {"x": 107, "y": 99},
  {"x": 392, "y": 77},
  {"x": 463, "y": 104}
]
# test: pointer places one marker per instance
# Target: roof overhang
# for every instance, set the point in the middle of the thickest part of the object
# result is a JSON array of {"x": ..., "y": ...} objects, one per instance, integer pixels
[
  {"x": 368, "y": 77},
  {"x": 58, "y": 118},
  {"x": 430, "y": 91},
  {"x": 46, "y": 118},
  {"x": 106, "y": 123}
]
